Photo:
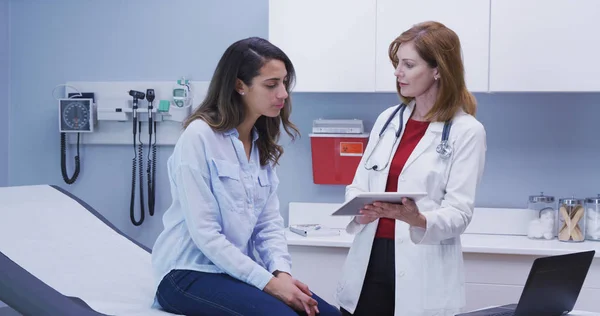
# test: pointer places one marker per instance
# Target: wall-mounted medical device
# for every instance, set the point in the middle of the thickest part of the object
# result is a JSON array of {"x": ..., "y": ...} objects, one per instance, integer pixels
[
  {"x": 138, "y": 160},
  {"x": 76, "y": 114},
  {"x": 182, "y": 93},
  {"x": 114, "y": 108},
  {"x": 120, "y": 113},
  {"x": 337, "y": 147},
  {"x": 174, "y": 105}
]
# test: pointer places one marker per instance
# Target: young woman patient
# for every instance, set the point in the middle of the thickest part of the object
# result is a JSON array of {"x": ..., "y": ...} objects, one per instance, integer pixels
[{"x": 224, "y": 189}]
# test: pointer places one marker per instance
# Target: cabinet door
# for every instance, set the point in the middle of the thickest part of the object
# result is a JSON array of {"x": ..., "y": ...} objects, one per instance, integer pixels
[
  {"x": 544, "y": 45},
  {"x": 468, "y": 18},
  {"x": 331, "y": 43}
]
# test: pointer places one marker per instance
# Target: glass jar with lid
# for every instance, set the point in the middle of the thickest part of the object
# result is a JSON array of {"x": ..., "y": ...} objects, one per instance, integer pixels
[
  {"x": 571, "y": 220},
  {"x": 592, "y": 212},
  {"x": 543, "y": 226}
]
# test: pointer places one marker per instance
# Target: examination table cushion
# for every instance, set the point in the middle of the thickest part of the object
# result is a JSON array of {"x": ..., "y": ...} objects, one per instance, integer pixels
[{"x": 70, "y": 247}]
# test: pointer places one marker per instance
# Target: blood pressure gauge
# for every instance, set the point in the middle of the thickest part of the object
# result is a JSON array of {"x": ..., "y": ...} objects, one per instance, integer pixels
[
  {"x": 76, "y": 115},
  {"x": 181, "y": 97}
]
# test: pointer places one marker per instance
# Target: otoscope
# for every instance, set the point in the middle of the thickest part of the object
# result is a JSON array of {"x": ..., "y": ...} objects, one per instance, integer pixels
[
  {"x": 136, "y": 97},
  {"x": 151, "y": 171}
]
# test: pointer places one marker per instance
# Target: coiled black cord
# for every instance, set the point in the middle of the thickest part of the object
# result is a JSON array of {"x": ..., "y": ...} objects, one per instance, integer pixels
[
  {"x": 151, "y": 171},
  {"x": 133, "y": 170},
  {"x": 63, "y": 160},
  {"x": 141, "y": 159}
]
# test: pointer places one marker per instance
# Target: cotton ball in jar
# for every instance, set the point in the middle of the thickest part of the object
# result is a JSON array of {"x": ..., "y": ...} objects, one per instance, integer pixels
[
  {"x": 593, "y": 223},
  {"x": 547, "y": 223},
  {"x": 535, "y": 229},
  {"x": 593, "y": 214}
]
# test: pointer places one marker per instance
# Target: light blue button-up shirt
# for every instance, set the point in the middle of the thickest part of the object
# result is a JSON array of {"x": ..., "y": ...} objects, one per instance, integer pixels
[{"x": 225, "y": 209}]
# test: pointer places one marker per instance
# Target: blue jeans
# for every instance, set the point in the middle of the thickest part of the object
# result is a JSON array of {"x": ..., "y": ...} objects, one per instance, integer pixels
[{"x": 193, "y": 293}]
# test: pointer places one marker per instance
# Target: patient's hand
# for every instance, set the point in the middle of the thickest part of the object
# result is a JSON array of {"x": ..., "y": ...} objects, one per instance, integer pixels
[
  {"x": 293, "y": 293},
  {"x": 304, "y": 288}
]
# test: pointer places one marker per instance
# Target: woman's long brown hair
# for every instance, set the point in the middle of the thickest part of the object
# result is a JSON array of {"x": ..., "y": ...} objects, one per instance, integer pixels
[{"x": 223, "y": 108}]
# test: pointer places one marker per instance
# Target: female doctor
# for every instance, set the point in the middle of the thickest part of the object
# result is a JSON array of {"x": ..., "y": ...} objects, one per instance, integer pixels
[{"x": 406, "y": 259}]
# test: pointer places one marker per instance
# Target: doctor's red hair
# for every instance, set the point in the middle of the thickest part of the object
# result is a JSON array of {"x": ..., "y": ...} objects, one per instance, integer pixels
[{"x": 440, "y": 47}]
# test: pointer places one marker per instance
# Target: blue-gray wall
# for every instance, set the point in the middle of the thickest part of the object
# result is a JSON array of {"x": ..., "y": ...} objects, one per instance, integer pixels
[
  {"x": 537, "y": 142},
  {"x": 4, "y": 88},
  {"x": 4, "y": 98}
]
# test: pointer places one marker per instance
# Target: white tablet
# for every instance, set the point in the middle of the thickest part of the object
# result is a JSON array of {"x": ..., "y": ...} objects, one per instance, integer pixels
[{"x": 353, "y": 206}]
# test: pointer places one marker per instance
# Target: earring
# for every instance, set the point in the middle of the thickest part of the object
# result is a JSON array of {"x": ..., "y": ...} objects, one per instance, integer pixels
[
  {"x": 242, "y": 92},
  {"x": 435, "y": 78}
]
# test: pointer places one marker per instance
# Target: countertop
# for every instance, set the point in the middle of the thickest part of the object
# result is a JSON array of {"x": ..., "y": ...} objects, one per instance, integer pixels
[{"x": 471, "y": 243}]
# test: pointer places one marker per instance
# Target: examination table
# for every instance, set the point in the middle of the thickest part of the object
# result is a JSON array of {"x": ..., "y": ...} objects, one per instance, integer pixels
[{"x": 58, "y": 256}]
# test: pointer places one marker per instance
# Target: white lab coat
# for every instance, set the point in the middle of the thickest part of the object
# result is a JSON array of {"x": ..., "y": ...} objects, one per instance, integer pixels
[{"x": 429, "y": 263}]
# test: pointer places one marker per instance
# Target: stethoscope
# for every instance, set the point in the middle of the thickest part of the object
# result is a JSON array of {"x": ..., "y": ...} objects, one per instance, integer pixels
[{"x": 443, "y": 148}]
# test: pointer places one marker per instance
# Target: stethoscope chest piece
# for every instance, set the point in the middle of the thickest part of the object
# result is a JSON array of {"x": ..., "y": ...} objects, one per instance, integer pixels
[{"x": 444, "y": 149}]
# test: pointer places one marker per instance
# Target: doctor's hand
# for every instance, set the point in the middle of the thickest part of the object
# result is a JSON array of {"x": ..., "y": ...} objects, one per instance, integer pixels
[
  {"x": 287, "y": 289},
  {"x": 407, "y": 212},
  {"x": 364, "y": 219}
]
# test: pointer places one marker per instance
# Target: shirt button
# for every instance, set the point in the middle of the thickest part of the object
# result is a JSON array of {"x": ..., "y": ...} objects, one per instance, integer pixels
[
  {"x": 402, "y": 179},
  {"x": 401, "y": 273},
  {"x": 399, "y": 240}
]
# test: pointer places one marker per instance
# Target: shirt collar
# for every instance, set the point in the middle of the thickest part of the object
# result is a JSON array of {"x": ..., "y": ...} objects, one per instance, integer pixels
[{"x": 234, "y": 132}]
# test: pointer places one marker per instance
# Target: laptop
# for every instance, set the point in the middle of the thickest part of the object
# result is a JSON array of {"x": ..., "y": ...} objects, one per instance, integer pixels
[{"x": 551, "y": 289}]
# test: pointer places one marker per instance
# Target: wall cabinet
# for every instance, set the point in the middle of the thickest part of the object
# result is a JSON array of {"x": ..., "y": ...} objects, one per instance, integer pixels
[
  {"x": 507, "y": 45},
  {"x": 544, "y": 45},
  {"x": 331, "y": 43},
  {"x": 468, "y": 18}
]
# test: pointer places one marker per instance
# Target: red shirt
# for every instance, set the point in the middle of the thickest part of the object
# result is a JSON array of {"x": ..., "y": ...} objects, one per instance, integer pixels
[{"x": 414, "y": 131}]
